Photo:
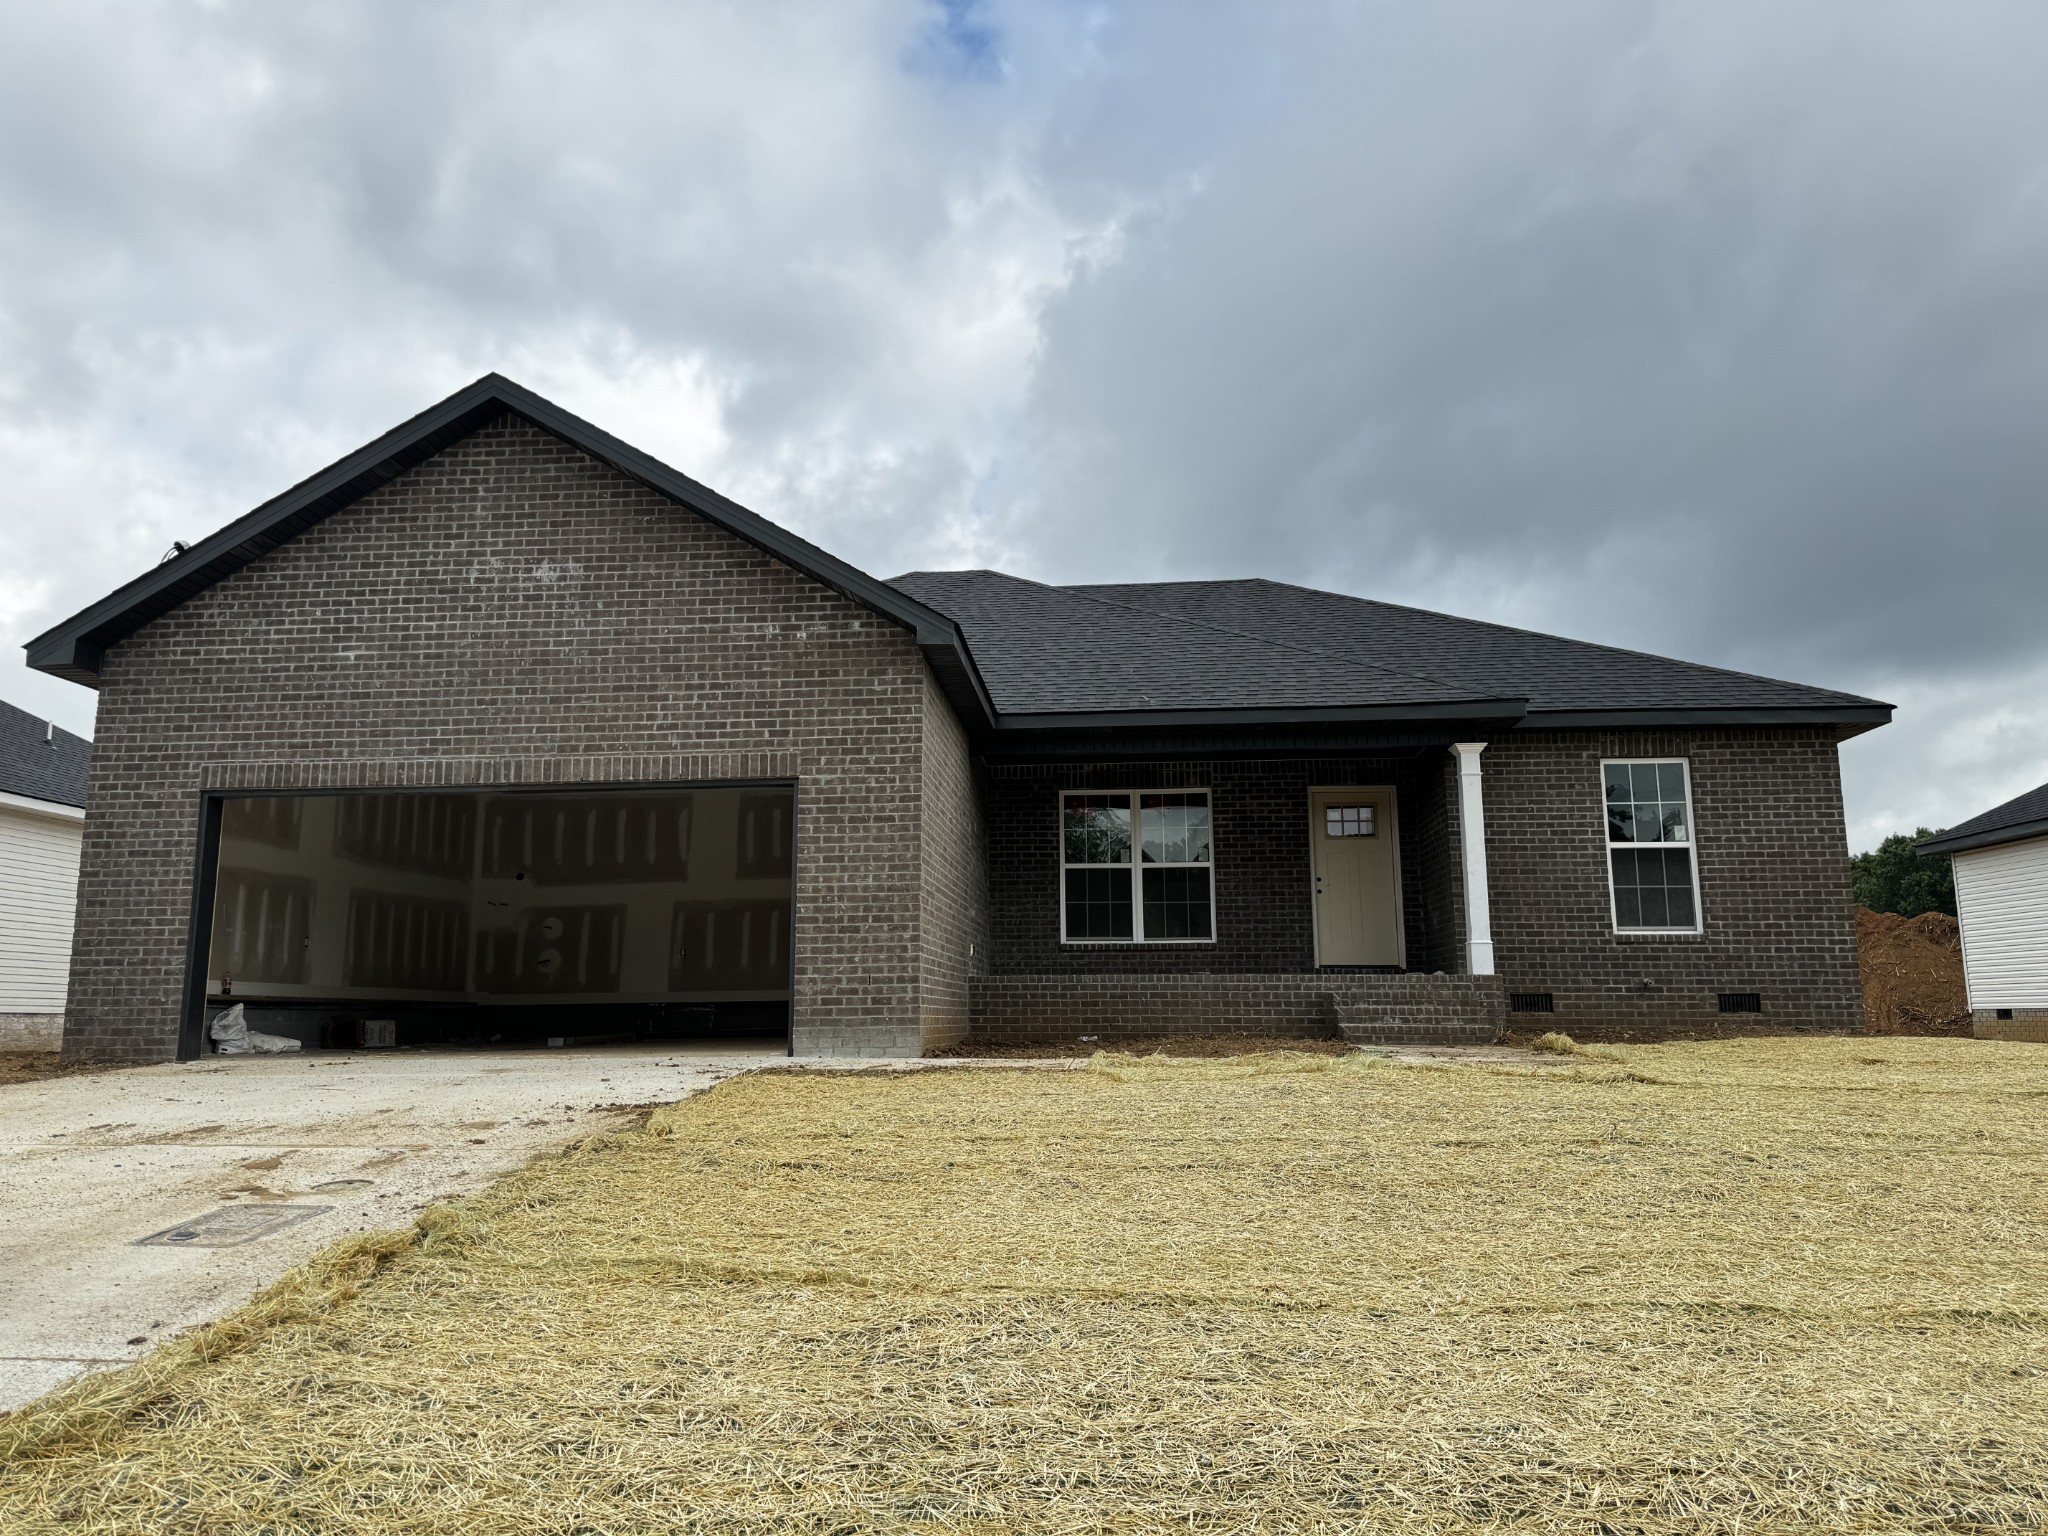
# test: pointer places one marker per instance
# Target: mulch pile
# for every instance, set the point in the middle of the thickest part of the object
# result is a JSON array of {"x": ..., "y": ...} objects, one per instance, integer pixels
[{"x": 1912, "y": 974}]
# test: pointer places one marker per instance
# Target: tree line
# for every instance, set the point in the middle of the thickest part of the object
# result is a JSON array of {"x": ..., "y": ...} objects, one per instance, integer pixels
[{"x": 1893, "y": 878}]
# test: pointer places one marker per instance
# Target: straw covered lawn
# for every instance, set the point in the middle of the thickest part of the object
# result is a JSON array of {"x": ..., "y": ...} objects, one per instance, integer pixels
[{"x": 1737, "y": 1287}]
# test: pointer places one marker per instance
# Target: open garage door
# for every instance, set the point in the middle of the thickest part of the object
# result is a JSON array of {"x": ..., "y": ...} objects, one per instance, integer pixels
[{"x": 498, "y": 916}]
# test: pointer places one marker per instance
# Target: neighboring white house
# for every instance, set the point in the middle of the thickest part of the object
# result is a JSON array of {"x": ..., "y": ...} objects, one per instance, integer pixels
[
  {"x": 2001, "y": 865},
  {"x": 42, "y": 820}
]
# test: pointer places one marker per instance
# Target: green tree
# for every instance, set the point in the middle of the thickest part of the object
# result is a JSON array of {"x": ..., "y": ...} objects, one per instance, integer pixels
[{"x": 1893, "y": 878}]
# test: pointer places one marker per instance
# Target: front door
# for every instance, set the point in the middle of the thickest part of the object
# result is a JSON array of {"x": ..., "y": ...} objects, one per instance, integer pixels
[{"x": 1355, "y": 862}]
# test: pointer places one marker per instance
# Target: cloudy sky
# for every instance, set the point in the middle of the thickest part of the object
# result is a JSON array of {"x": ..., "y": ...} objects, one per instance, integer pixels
[{"x": 1715, "y": 330}]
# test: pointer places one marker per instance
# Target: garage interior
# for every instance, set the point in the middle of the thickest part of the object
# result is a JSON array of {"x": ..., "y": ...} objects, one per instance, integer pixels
[{"x": 497, "y": 917}]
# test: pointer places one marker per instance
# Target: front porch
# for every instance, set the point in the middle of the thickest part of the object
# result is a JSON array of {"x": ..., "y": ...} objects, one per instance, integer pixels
[
  {"x": 1398, "y": 1008},
  {"x": 1330, "y": 892}
]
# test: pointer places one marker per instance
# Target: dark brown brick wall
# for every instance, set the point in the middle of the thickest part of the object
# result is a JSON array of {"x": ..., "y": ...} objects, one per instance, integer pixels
[
  {"x": 1432, "y": 818},
  {"x": 1774, "y": 884},
  {"x": 514, "y": 612},
  {"x": 954, "y": 889},
  {"x": 1773, "y": 876},
  {"x": 1260, "y": 816},
  {"x": 1373, "y": 1008}
]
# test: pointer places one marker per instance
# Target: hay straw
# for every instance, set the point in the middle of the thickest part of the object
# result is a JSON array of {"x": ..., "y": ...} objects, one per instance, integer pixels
[
  {"x": 1557, "y": 1043},
  {"x": 1783, "y": 1285}
]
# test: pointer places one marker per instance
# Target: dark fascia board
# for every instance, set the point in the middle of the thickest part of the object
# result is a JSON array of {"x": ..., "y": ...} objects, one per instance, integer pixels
[
  {"x": 1262, "y": 743},
  {"x": 1496, "y": 712},
  {"x": 1163, "y": 735},
  {"x": 1852, "y": 719},
  {"x": 76, "y": 648},
  {"x": 1991, "y": 837}
]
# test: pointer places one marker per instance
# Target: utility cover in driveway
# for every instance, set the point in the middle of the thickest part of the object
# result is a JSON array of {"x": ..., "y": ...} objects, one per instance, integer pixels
[{"x": 231, "y": 1226}]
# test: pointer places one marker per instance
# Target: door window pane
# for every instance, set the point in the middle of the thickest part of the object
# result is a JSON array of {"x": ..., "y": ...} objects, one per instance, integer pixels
[{"x": 1349, "y": 821}]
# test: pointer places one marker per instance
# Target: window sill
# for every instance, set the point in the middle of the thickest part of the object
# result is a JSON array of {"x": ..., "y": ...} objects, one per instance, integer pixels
[
  {"x": 1659, "y": 933},
  {"x": 1133, "y": 943}
]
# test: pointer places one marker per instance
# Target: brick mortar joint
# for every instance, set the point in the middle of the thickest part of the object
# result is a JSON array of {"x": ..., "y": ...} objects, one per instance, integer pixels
[{"x": 483, "y": 771}]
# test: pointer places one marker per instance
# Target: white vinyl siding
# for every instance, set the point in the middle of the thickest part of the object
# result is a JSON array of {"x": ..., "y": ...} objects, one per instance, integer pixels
[
  {"x": 2002, "y": 899},
  {"x": 38, "y": 898}
]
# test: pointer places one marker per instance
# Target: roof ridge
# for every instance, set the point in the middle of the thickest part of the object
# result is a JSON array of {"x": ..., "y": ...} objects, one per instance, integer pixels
[{"x": 1284, "y": 645}]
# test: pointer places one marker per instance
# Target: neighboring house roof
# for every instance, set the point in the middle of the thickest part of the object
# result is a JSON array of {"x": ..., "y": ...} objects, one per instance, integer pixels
[
  {"x": 1213, "y": 644},
  {"x": 76, "y": 648},
  {"x": 2020, "y": 818},
  {"x": 40, "y": 763}
]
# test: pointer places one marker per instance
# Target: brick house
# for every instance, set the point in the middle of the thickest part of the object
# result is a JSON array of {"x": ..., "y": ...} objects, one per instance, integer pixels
[{"x": 498, "y": 728}]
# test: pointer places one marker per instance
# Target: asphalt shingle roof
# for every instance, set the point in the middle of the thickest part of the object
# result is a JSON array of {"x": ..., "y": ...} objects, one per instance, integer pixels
[
  {"x": 2021, "y": 817},
  {"x": 1218, "y": 644},
  {"x": 42, "y": 769},
  {"x": 1057, "y": 650}
]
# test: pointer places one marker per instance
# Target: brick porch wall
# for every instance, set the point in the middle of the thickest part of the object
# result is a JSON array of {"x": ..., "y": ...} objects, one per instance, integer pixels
[
  {"x": 1304, "y": 1005},
  {"x": 514, "y": 612}
]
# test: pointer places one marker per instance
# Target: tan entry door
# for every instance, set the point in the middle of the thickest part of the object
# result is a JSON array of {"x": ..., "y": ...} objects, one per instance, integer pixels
[{"x": 1357, "y": 876}]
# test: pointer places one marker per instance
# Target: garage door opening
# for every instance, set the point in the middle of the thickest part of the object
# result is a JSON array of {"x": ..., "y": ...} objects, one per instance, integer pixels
[{"x": 498, "y": 917}]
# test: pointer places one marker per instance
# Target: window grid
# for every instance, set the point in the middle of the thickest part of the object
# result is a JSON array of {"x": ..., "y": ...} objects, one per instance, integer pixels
[
  {"x": 1652, "y": 861},
  {"x": 1137, "y": 866},
  {"x": 1349, "y": 821}
]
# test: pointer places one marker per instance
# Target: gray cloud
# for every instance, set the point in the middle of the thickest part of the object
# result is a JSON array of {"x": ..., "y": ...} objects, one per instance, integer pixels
[{"x": 1715, "y": 330}]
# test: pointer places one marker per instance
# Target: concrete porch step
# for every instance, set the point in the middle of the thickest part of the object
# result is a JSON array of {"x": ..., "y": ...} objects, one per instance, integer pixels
[
  {"x": 1395, "y": 1033},
  {"x": 1421, "y": 1010}
]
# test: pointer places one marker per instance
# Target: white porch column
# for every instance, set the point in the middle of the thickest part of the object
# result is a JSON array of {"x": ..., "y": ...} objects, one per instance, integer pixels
[{"x": 1472, "y": 838}]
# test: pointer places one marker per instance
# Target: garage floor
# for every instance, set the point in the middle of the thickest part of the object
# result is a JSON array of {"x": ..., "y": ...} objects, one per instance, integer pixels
[{"x": 90, "y": 1164}]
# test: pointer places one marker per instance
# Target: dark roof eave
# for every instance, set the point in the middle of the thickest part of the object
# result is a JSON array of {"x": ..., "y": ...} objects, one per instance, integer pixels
[
  {"x": 76, "y": 648},
  {"x": 1493, "y": 712},
  {"x": 1855, "y": 717},
  {"x": 1990, "y": 837}
]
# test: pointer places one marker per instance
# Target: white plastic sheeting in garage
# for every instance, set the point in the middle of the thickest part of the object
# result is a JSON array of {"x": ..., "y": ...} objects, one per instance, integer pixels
[{"x": 2002, "y": 899}]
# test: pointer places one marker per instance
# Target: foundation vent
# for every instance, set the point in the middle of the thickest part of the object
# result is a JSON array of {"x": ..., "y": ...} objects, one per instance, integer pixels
[
  {"x": 1742, "y": 1002},
  {"x": 1531, "y": 1002}
]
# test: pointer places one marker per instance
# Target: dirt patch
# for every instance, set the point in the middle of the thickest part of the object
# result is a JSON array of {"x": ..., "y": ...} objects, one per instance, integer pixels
[
  {"x": 1149, "y": 1045},
  {"x": 34, "y": 1066},
  {"x": 1912, "y": 974}
]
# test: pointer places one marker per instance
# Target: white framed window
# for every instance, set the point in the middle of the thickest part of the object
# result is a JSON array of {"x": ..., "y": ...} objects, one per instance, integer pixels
[
  {"x": 1136, "y": 867},
  {"x": 1653, "y": 873}
]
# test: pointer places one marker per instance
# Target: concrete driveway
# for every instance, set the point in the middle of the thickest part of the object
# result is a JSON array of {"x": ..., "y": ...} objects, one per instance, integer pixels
[{"x": 90, "y": 1165}]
